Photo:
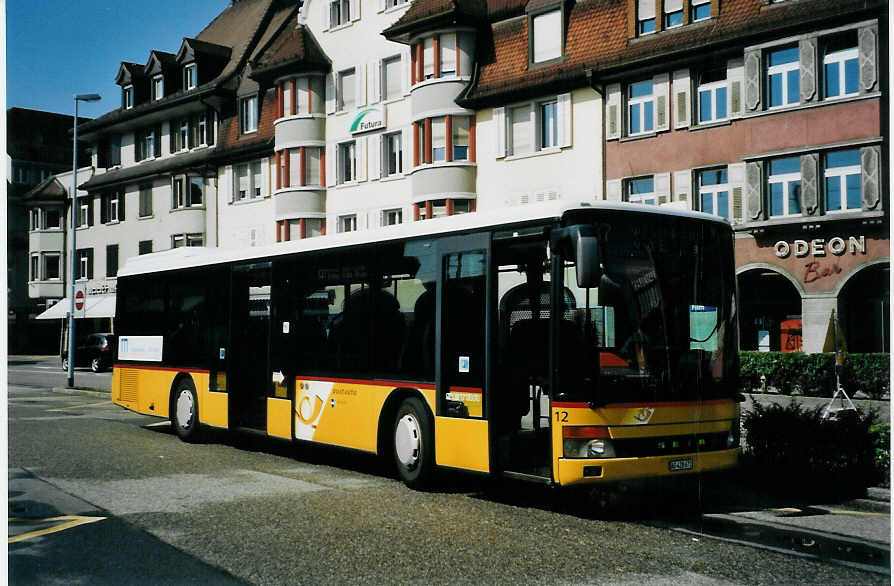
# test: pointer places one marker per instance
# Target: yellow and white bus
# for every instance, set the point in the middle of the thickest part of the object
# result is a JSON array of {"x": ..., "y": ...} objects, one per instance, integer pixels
[{"x": 561, "y": 344}]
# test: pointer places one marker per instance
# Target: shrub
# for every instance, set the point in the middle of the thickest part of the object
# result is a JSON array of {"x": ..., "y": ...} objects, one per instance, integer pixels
[
  {"x": 794, "y": 450},
  {"x": 881, "y": 440},
  {"x": 814, "y": 374}
]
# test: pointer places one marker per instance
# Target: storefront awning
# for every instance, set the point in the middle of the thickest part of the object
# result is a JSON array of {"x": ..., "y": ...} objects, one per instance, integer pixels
[{"x": 97, "y": 306}]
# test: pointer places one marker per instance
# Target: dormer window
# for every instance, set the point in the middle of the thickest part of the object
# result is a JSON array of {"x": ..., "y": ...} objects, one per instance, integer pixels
[
  {"x": 127, "y": 97},
  {"x": 158, "y": 87},
  {"x": 547, "y": 36},
  {"x": 248, "y": 114},
  {"x": 190, "y": 78}
]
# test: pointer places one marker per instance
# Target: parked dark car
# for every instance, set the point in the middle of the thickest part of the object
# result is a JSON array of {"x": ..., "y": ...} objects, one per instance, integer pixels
[{"x": 96, "y": 351}]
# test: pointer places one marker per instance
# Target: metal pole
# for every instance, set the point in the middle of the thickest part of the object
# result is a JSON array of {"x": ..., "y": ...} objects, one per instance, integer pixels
[{"x": 73, "y": 251}]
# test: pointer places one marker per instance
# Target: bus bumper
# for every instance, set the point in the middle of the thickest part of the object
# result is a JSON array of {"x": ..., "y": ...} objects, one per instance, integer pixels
[{"x": 583, "y": 471}]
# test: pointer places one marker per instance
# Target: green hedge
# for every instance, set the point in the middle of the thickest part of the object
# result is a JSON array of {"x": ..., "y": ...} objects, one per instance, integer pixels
[
  {"x": 814, "y": 374},
  {"x": 792, "y": 449}
]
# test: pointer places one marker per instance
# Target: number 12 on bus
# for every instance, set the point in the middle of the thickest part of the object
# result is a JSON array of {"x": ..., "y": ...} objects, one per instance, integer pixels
[{"x": 561, "y": 344}]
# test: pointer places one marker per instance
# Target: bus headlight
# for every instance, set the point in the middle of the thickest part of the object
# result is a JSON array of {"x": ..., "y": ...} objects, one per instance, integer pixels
[{"x": 586, "y": 441}]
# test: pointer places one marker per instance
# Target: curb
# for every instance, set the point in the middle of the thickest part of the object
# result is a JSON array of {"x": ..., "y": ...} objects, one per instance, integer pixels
[
  {"x": 88, "y": 392},
  {"x": 879, "y": 494}
]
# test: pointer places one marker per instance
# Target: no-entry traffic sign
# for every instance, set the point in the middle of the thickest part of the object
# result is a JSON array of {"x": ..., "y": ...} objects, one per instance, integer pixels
[{"x": 80, "y": 300}]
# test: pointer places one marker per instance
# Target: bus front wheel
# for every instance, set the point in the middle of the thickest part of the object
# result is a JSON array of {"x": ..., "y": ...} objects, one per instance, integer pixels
[
  {"x": 414, "y": 443},
  {"x": 185, "y": 411}
]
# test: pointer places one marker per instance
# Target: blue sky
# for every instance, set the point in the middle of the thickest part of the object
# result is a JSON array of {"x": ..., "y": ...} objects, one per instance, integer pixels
[{"x": 56, "y": 48}]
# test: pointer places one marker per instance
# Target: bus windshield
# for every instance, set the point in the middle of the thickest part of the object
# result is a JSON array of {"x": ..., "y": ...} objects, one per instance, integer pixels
[{"x": 661, "y": 324}]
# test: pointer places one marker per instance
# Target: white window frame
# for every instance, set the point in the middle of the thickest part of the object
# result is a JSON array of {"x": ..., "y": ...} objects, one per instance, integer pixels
[
  {"x": 347, "y": 223},
  {"x": 178, "y": 195},
  {"x": 392, "y": 217},
  {"x": 712, "y": 87},
  {"x": 183, "y": 134},
  {"x": 785, "y": 179},
  {"x": 114, "y": 207},
  {"x": 34, "y": 267},
  {"x": 546, "y": 40},
  {"x": 670, "y": 7},
  {"x": 158, "y": 87},
  {"x": 782, "y": 70},
  {"x": 640, "y": 198},
  {"x": 350, "y": 75},
  {"x": 83, "y": 213},
  {"x": 45, "y": 225},
  {"x": 83, "y": 265},
  {"x": 237, "y": 186},
  {"x": 642, "y": 102},
  {"x": 128, "y": 96},
  {"x": 694, "y": 6},
  {"x": 188, "y": 184},
  {"x": 546, "y": 138},
  {"x": 190, "y": 77},
  {"x": 35, "y": 219},
  {"x": 645, "y": 14},
  {"x": 45, "y": 272},
  {"x": 839, "y": 58},
  {"x": 396, "y": 79},
  {"x": 344, "y": 13},
  {"x": 840, "y": 173},
  {"x": 388, "y": 143},
  {"x": 248, "y": 114},
  {"x": 149, "y": 144},
  {"x": 347, "y": 148},
  {"x": 714, "y": 191}
]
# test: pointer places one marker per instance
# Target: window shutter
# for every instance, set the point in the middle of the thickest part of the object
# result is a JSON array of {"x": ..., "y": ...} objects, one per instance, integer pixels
[
  {"x": 681, "y": 98},
  {"x": 753, "y": 76},
  {"x": 355, "y": 10},
  {"x": 360, "y": 78},
  {"x": 500, "y": 131},
  {"x": 173, "y": 133},
  {"x": 563, "y": 112},
  {"x": 807, "y": 67},
  {"x": 809, "y": 187},
  {"x": 380, "y": 6},
  {"x": 870, "y": 176},
  {"x": 662, "y": 187},
  {"x": 613, "y": 112},
  {"x": 613, "y": 190},
  {"x": 375, "y": 156},
  {"x": 330, "y": 164},
  {"x": 90, "y": 212},
  {"x": 736, "y": 174},
  {"x": 330, "y": 93},
  {"x": 407, "y": 147},
  {"x": 104, "y": 209},
  {"x": 406, "y": 63},
  {"x": 265, "y": 176},
  {"x": 375, "y": 83},
  {"x": 753, "y": 187},
  {"x": 228, "y": 179},
  {"x": 324, "y": 9},
  {"x": 867, "y": 40},
  {"x": 735, "y": 76},
  {"x": 661, "y": 85},
  {"x": 683, "y": 187},
  {"x": 89, "y": 263},
  {"x": 360, "y": 155},
  {"x": 122, "y": 212},
  {"x": 157, "y": 142}
]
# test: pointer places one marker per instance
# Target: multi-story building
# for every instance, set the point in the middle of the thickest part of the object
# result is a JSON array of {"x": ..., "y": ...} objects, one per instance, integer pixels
[
  {"x": 772, "y": 115},
  {"x": 39, "y": 144}
]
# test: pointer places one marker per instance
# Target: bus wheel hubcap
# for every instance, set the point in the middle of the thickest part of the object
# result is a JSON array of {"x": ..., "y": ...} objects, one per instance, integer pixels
[
  {"x": 406, "y": 440},
  {"x": 184, "y": 408}
]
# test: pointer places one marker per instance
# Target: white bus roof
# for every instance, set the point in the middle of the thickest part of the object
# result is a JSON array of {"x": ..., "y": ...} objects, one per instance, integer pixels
[{"x": 187, "y": 257}]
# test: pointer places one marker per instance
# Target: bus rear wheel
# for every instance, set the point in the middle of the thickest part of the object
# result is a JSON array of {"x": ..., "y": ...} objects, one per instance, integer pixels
[
  {"x": 185, "y": 411},
  {"x": 413, "y": 443}
]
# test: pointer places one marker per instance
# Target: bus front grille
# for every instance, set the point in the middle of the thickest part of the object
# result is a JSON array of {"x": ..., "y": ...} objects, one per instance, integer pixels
[
  {"x": 670, "y": 445},
  {"x": 127, "y": 391}
]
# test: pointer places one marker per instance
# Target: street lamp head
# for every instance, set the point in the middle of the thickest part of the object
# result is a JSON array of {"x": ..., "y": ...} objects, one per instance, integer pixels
[{"x": 87, "y": 97}]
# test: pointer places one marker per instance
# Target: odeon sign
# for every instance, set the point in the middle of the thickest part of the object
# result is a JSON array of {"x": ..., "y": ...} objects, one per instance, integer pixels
[
  {"x": 372, "y": 118},
  {"x": 837, "y": 246}
]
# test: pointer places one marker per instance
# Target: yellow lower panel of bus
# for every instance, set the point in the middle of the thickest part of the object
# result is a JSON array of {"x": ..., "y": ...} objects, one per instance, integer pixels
[
  {"x": 462, "y": 443},
  {"x": 144, "y": 390},
  {"x": 570, "y": 471},
  {"x": 279, "y": 417},
  {"x": 213, "y": 405}
]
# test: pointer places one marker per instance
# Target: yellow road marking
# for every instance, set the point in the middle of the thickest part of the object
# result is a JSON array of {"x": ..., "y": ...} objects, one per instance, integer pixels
[
  {"x": 70, "y": 521},
  {"x": 79, "y": 406}
]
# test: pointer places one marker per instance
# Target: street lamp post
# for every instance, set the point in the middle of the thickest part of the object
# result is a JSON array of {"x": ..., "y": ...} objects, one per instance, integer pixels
[{"x": 74, "y": 229}]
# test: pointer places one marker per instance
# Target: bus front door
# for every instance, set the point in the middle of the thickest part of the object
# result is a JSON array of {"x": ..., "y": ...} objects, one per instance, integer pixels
[
  {"x": 461, "y": 428},
  {"x": 249, "y": 345}
]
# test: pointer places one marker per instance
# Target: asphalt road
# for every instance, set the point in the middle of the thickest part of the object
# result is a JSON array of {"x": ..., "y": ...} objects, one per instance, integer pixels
[{"x": 248, "y": 509}]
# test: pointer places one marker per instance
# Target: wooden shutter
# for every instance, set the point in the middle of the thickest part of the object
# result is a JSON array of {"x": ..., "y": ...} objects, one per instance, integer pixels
[
  {"x": 682, "y": 102},
  {"x": 735, "y": 77},
  {"x": 355, "y": 9},
  {"x": 867, "y": 41},
  {"x": 375, "y": 156},
  {"x": 407, "y": 147},
  {"x": 360, "y": 157},
  {"x": 330, "y": 164},
  {"x": 613, "y": 111},
  {"x": 360, "y": 79},
  {"x": 375, "y": 81},
  {"x": 753, "y": 78},
  {"x": 736, "y": 175},
  {"x": 809, "y": 184},
  {"x": 563, "y": 112},
  {"x": 499, "y": 120},
  {"x": 613, "y": 190},
  {"x": 330, "y": 93},
  {"x": 122, "y": 211},
  {"x": 870, "y": 176},
  {"x": 157, "y": 141},
  {"x": 807, "y": 68},
  {"x": 406, "y": 66},
  {"x": 662, "y": 187},
  {"x": 661, "y": 89},
  {"x": 753, "y": 191},
  {"x": 683, "y": 187}
]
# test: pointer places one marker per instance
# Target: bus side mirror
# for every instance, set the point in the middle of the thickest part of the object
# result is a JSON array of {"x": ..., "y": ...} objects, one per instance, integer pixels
[{"x": 585, "y": 245}]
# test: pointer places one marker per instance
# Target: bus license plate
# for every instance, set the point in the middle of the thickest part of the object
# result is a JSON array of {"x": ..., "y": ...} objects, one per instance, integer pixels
[{"x": 681, "y": 464}]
